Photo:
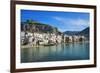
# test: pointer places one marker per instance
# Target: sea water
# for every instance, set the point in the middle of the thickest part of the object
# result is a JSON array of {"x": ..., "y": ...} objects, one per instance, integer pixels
[{"x": 59, "y": 52}]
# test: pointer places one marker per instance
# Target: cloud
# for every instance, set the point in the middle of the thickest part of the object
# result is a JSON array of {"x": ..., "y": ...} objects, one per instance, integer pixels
[
  {"x": 79, "y": 22},
  {"x": 72, "y": 21}
]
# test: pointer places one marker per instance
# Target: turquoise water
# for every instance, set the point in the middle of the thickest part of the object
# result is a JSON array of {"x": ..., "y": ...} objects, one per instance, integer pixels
[{"x": 60, "y": 52}]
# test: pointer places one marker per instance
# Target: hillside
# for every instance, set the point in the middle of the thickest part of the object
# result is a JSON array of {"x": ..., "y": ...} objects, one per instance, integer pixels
[
  {"x": 33, "y": 26},
  {"x": 71, "y": 32},
  {"x": 84, "y": 32}
]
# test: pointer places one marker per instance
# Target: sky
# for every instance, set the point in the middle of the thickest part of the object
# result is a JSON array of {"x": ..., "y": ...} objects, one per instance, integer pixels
[{"x": 64, "y": 21}]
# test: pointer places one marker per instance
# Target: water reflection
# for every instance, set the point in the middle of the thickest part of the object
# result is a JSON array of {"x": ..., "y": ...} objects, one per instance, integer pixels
[{"x": 60, "y": 52}]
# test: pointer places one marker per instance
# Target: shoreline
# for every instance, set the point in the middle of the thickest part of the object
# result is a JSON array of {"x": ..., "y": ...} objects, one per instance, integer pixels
[{"x": 47, "y": 45}]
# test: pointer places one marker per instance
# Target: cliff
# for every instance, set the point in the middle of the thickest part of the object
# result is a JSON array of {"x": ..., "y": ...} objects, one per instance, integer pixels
[{"x": 33, "y": 26}]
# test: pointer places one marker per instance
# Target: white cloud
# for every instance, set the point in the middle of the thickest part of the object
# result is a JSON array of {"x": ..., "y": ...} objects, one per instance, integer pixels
[
  {"x": 79, "y": 22},
  {"x": 76, "y": 22},
  {"x": 62, "y": 20}
]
